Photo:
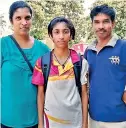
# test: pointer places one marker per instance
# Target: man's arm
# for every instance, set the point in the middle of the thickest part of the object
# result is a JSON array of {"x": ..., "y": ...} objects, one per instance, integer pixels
[
  {"x": 124, "y": 95},
  {"x": 123, "y": 63},
  {"x": 84, "y": 95},
  {"x": 84, "y": 106}
]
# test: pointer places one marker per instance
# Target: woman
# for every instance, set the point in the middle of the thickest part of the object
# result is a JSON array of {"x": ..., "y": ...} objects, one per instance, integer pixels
[
  {"x": 61, "y": 105},
  {"x": 18, "y": 103}
]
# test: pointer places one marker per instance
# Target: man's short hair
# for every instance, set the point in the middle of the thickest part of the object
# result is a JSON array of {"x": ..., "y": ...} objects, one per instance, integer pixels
[{"x": 103, "y": 9}]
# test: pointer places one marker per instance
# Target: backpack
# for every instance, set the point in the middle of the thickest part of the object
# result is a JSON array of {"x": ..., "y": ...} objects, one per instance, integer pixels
[{"x": 46, "y": 64}]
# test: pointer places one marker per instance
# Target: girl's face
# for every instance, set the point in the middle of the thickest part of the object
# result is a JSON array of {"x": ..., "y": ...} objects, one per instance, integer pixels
[
  {"x": 61, "y": 35},
  {"x": 21, "y": 21}
]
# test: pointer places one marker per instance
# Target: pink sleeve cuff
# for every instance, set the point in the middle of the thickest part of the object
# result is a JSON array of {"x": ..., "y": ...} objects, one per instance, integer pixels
[{"x": 37, "y": 77}]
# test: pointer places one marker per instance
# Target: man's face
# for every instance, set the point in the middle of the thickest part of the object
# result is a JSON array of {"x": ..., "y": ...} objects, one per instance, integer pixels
[{"x": 102, "y": 26}]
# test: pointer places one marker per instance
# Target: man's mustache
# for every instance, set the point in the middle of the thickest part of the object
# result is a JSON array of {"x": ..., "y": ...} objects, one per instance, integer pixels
[{"x": 101, "y": 30}]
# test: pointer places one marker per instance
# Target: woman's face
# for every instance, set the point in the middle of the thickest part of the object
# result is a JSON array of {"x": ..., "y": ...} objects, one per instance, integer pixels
[{"x": 21, "y": 21}]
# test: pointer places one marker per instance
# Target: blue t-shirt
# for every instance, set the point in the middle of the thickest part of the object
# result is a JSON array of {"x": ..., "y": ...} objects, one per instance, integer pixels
[
  {"x": 107, "y": 78},
  {"x": 18, "y": 94}
]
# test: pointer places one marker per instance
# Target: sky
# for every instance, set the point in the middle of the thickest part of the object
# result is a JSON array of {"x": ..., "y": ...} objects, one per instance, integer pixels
[
  {"x": 4, "y": 5},
  {"x": 4, "y": 8},
  {"x": 87, "y": 4}
]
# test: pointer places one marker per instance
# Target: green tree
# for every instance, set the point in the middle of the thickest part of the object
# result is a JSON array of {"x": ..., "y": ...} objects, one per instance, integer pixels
[
  {"x": 120, "y": 8},
  {"x": 45, "y": 11},
  {"x": 2, "y": 23}
]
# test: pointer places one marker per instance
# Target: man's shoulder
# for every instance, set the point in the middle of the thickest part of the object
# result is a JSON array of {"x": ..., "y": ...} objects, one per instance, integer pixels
[{"x": 121, "y": 42}]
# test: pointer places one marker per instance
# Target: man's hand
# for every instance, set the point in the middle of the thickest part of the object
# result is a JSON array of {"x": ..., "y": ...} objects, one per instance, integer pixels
[{"x": 124, "y": 97}]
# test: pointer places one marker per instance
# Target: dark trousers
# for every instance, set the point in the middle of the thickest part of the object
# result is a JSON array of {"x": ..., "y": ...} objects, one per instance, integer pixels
[{"x": 3, "y": 126}]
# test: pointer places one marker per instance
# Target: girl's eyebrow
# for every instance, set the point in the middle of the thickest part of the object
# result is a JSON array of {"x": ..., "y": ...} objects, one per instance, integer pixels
[{"x": 62, "y": 29}]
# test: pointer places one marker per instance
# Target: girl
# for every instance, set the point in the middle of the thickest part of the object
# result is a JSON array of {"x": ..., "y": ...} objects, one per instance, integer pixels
[{"x": 61, "y": 105}]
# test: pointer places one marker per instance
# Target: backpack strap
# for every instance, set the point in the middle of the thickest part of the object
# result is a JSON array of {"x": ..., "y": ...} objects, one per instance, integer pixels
[
  {"x": 77, "y": 72},
  {"x": 23, "y": 54},
  {"x": 45, "y": 65}
]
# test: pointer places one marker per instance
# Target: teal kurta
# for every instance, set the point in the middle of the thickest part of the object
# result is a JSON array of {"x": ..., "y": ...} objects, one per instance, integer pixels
[{"x": 18, "y": 94}]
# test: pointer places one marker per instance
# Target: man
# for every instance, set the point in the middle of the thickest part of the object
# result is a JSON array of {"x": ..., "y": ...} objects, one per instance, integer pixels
[{"x": 107, "y": 72}]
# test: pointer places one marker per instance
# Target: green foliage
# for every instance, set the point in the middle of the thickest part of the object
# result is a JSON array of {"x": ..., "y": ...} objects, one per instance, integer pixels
[
  {"x": 46, "y": 10},
  {"x": 2, "y": 23},
  {"x": 120, "y": 7}
]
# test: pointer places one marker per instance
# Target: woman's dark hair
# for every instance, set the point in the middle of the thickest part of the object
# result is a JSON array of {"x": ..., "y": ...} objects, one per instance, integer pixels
[
  {"x": 16, "y": 5},
  {"x": 59, "y": 20},
  {"x": 104, "y": 9}
]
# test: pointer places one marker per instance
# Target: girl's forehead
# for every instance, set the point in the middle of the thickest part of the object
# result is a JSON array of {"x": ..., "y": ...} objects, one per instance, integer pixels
[{"x": 60, "y": 25}]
